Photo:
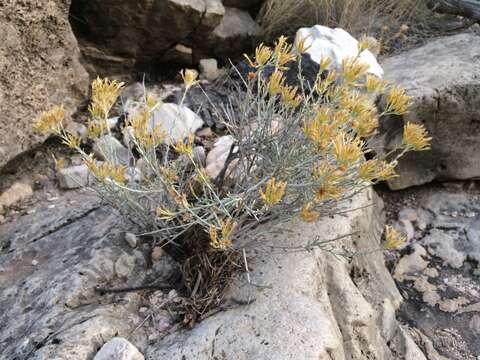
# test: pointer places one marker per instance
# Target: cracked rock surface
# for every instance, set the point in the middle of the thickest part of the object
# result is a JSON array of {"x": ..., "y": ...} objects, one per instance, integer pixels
[
  {"x": 438, "y": 274},
  {"x": 446, "y": 98}
]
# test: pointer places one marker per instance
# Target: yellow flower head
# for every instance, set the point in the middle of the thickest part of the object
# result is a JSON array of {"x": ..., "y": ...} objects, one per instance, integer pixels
[
  {"x": 365, "y": 124},
  {"x": 185, "y": 148},
  {"x": 325, "y": 63},
  {"x": 321, "y": 86},
  {"x": 165, "y": 214},
  {"x": 415, "y": 137},
  {"x": 301, "y": 45},
  {"x": 104, "y": 94},
  {"x": 393, "y": 239},
  {"x": 283, "y": 52},
  {"x": 262, "y": 54},
  {"x": 375, "y": 169},
  {"x": 226, "y": 228},
  {"x": 347, "y": 150},
  {"x": 368, "y": 43},
  {"x": 151, "y": 101},
  {"x": 96, "y": 129},
  {"x": 273, "y": 193},
  {"x": 307, "y": 214},
  {"x": 373, "y": 84},
  {"x": 275, "y": 83},
  {"x": 289, "y": 96},
  {"x": 328, "y": 192},
  {"x": 72, "y": 141},
  {"x": 104, "y": 171},
  {"x": 398, "y": 101},
  {"x": 353, "y": 69},
  {"x": 50, "y": 121},
  {"x": 189, "y": 77},
  {"x": 319, "y": 132}
]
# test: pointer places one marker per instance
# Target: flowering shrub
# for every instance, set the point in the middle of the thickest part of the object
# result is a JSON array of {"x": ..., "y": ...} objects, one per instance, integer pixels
[{"x": 297, "y": 151}]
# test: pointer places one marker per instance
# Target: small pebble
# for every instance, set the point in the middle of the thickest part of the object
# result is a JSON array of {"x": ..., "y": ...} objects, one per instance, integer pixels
[
  {"x": 34, "y": 262},
  {"x": 131, "y": 240},
  {"x": 157, "y": 253},
  {"x": 51, "y": 206}
]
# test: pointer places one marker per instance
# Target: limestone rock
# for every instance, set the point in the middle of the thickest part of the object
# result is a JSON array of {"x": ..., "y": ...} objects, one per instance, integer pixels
[
  {"x": 108, "y": 148},
  {"x": 304, "y": 306},
  {"x": 208, "y": 69},
  {"x": 74, "y": 177},
  {"x": 17, "y": 192},
  {"x": 217, "y": 157},
  {"x": 53, "y": 304},
  {"x": 39, "y": 68},
  {"x": 177, "y": 121},
  {"x": 234, "y": 35},
  {"x": 336, "y": 44},
  {"x": 446, "y": 96},
  {"x": 118, "y": 349}
]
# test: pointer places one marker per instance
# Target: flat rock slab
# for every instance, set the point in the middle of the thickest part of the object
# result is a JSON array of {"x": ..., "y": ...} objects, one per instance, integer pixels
[
  {"x": 443, "y": 77},
  {"x": 51, "y": 261}
]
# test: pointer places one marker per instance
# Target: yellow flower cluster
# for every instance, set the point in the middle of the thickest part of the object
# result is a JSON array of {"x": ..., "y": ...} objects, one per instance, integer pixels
[
  {"x": 224, "y": 242},
  {"x": 393, "y": 239},
  {"x": 104, "y": 171},
  {"x": 273, "y": 193},
  {"x": 104, "y": 94},
  {"x": 50, "y": 121},
  {"x": 415, "y": 137}
]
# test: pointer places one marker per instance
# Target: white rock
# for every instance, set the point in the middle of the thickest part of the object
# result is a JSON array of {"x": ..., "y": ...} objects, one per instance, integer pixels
[
  {"x": 217, "y": 157},
  {"x": 124, "y": 266},
  {"x": 208, "y": 69},
  {"x": 74, "y": 177},
  {"x": 110, "y": 149},
  {"x": 131, "y": 239},
  {"x": 177, "y": 121},
  {"x": 77, "y": 129},
  {"x": 118, "y": 349},
  {"x": 336, "y": 44},
  {"x": 411, "y": 263}
]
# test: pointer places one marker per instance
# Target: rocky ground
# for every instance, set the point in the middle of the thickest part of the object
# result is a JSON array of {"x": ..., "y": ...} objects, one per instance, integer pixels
[{"x": 438, "y": 271}]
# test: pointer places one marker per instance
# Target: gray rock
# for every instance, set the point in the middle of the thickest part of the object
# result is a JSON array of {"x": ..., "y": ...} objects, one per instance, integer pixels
[
  {"x": 412, "y": 263},
  {"x": 108, "y": 148},
  {"x": 51, "y": 311},
  {"x": 74, "y": 177},
  {"x": 208, "y": 69},
  {"x": 328, "y": 306},
  {"x": 234, "y": 35},
  {"x": 443, "y": 80},
  {"x": 131, "y": 240},
  {"x": 118, "y": 349},
  {"x": 442, "y": 244}
]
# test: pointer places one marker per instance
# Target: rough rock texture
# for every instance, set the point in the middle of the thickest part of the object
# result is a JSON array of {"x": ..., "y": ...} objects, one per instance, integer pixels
[
  {"x": 118, "y": 349},
  {"x": 39, "y": 67},
  {"x": 306, "y": 305},
  {"x": 123, "y": 33},
  {"x": 446, "y": 98},
  {"x": 51, "y": 310},
  {"x": 438, "y": 274}
]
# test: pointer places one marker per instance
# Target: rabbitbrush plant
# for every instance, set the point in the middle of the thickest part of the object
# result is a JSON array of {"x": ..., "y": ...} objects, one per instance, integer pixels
[{"x": 297, "y": 151}]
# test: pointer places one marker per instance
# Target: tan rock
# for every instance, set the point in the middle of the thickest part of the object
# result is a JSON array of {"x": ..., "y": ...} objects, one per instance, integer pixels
[
  {"x": 39, "y": 68},
  {"x": 17, "y": 192}
]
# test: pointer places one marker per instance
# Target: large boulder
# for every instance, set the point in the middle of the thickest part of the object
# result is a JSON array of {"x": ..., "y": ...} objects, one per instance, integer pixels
[
  {"x": 302, "y": 305},
  {"x": 129, "y": 34},
  {"x": 39, "y": 67},
  {"x": 443, "y": 77}
]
